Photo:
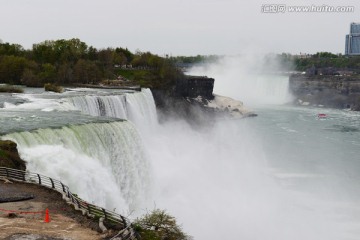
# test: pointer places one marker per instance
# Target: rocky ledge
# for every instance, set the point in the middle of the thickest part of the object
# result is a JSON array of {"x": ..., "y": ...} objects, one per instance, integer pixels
[
  {"x": 225, "y": 105},
  {"x": 326, "y": 90},
  {"x": 192, "y": 99},
  {"x": 9, "y": 156}
]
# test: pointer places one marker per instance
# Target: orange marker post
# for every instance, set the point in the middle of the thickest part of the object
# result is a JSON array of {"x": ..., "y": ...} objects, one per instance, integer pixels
[{"x": 47, "y": 216}]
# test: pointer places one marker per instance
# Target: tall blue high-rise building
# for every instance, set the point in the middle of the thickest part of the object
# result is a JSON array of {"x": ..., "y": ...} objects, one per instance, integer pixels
[{"x": 352, "y": 40}]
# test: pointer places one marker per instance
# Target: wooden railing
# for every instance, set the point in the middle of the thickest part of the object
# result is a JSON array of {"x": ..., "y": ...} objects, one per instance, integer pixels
[{"x": 91, "y": 210}]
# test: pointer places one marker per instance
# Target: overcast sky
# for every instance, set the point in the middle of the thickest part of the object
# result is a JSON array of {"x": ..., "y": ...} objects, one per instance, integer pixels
[{"x": 179, "y": 27}]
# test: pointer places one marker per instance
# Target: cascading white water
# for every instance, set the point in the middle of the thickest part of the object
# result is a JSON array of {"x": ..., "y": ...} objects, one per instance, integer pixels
[
  {"x": 142, "y": 110},
  {"x": 138, "y": 107},
  {"x": 102, "y": 162},
  {"x": 110, "y": 106}
]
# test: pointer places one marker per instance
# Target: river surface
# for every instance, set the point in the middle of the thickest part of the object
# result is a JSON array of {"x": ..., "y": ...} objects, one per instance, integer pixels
[{"x": 285, "y": 174}]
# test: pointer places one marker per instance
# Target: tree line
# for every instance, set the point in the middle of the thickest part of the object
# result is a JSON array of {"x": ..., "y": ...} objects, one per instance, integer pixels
[
  {"x": 67, "y": 62},
  {"x": 327, "y": 59}
]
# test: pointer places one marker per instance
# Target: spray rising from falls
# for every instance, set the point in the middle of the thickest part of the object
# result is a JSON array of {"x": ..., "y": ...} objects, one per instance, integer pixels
[
  {"x": 102, "y": 162},
  {"x": 244, "y": 78}
]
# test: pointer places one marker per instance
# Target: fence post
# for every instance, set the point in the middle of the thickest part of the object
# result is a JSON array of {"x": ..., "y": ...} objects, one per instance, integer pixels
[
  {"x": 124, "y": 221},
  {"x": 78, "y": 203},
  {"x": 23, "y": 175},
  {"x": 7, "y": 173},
  {"x": 63, "y": 187},
  {"x": 39, "y": 178},
  {"x": 52, "y": 183},
  {"x": 89, "y": 208},
  {"x": 104, "y": 211}
]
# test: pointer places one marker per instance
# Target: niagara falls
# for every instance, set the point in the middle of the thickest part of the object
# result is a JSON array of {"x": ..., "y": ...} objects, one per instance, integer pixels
[{"x": 129, "y": 120}]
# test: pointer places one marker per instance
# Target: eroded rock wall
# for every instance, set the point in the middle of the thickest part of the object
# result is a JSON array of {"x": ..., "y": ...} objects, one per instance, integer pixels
[
  {"x": 329, "y": 91},
  {"x": 9, "y": 155}
]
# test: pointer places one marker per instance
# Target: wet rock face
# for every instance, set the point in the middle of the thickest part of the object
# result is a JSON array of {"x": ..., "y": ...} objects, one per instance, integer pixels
[
  {"x": 9, "y": 155},
  {"x": 329, "y": 91}
]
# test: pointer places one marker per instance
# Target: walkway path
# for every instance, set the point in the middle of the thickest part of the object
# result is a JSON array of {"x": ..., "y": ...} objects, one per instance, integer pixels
[{"x": 65, "y": 224}]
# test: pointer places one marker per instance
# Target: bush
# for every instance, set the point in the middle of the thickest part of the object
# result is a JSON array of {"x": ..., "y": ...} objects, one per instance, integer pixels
[
  {"x": 53, "y": 88},
  {"x": 11, "y": 89},
  {"x": 159, "y": 225}
]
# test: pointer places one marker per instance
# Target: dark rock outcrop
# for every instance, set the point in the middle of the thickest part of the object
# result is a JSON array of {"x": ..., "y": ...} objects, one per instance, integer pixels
[
  {"x": 192, "y": 99},
  {"x": 9, "y": 156},
  {"x": 330, "y": 91},
  {"x": 173, "y": 106},
  {"x": 177, "y": 101},
  {"x": 194, "y": 86}
]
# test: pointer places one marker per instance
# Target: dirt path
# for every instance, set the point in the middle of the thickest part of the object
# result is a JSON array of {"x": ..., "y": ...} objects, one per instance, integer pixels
[{"x": 66, "y": 223}]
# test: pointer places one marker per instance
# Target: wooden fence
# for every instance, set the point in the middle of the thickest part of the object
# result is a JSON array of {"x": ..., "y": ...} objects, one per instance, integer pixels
[{"x": 91, "y": 210}]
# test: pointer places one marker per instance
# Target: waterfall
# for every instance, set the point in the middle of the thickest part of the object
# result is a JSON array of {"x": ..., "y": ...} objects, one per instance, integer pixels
[
  {"x": 263, "y": 89},
  {"x": 102, "y": 162},
  {"x": 246, "y": 78},
  {"x": 110, "y": 106},
  {"x": 138, "y": 107}
]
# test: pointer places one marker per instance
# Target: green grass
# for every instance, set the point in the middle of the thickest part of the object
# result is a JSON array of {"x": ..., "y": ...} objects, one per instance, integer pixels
[
  {"x": 145, "y": 78},
  {"x": 128, "y": 74}
]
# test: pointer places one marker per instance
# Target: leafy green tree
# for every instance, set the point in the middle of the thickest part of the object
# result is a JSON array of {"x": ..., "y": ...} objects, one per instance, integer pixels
[
  {"x": 47, "y": 74},
  {"x": 324, "y": 55},
  {"x": 70, "y": 50},
  {"x": 11, "y": 69},
  {"x": 64, "y": 74},
  {"x": 106, "y": 62},
  {"x": 91, "y": 54},
  {"x": 159, "y": 225},
  {"x": 44, "y": 52},
  {"x": 30, "y": 79},
  {"x": 120, "y": 59},
  {"x": 86, "y": 71},
  {"x": 11, "y": 49},
  {"x": 129, "y": 55},
  {"x": 59, "y": 51}
]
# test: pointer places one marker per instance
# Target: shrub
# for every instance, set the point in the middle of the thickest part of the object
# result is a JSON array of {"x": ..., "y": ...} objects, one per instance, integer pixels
[
  {"x": 159, "y": 225},
  {"x": 11, "y": 89},
  {"x": 53, "y": 88}
]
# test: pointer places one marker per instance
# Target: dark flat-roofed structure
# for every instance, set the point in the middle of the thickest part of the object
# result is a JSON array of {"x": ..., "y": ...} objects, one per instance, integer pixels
[{"x": 194, "y": 86}]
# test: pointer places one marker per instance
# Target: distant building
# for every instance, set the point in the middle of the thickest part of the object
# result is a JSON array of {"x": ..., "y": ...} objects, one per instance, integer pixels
[
  {"x": 352, "y": 40},
  {"x": 302, "y": 55}
]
